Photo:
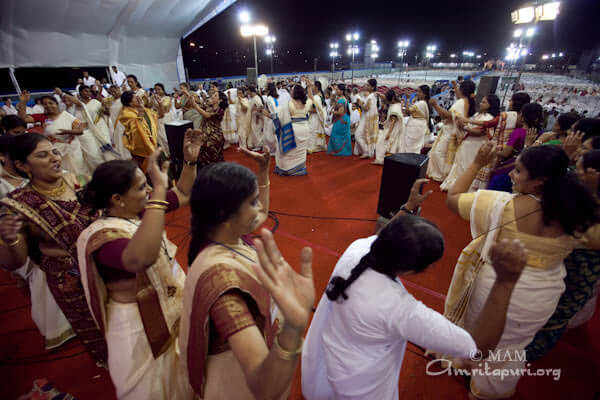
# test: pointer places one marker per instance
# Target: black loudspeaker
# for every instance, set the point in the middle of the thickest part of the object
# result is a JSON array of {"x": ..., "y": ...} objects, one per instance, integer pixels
[
  {"x": 400, "y": 171},
  {"x": 487, "y": 85},
  {"x": 251, "y": 78},
  {"x": 175, "y": 133}
]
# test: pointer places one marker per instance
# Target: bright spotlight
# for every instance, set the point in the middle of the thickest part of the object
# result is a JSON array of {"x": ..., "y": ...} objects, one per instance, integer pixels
[
  {"x": 545, "y": 57},
  {"x": 356, "y": 36},
  {"x": 530, "y": 32},
  {"x": 244, "y": 16},
  {"x": 348, "y": 37},
  {"x": 517, "y": 33}
]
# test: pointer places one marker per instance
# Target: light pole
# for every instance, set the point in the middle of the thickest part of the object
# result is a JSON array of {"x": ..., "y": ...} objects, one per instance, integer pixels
[
  {"x": 353, "y": 49},
  {"x": 252, "y": 30},
  {"x": 333, "y": 54},
  {"x": 270, "y": 40},
  {"x": 402, "y": 50}
]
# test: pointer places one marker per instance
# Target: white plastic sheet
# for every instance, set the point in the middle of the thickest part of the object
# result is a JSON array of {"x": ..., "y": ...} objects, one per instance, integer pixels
[{"x": 140, "y": 36}]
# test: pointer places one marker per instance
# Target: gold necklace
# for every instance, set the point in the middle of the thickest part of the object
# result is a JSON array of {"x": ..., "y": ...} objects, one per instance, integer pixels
[{"x": 52, "y": 193}]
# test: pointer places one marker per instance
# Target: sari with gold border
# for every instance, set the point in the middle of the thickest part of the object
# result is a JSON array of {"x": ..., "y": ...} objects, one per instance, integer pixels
[
  {"x": 216, "y": 271},
  {"x": 142, "y": 337}
]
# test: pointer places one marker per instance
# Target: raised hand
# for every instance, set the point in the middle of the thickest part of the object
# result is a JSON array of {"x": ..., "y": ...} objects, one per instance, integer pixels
[
  {"x": 261, "y": 158},
  {"x": 192, "y": 143},
  {"x": 572, "y": 143},
  {"x": 530, "y": 138},
  {"x": 24, "y": 97},
  {"x": 485, "y": 155},
  {"x": 10, "y": 226},
  {"x": 293, "y": 292},
  {"x": 416, "y": 198},
  {"x": 509, "y": 258},
  {"x": 158, "y": 174},
  {"x": 73, "y": 99}
]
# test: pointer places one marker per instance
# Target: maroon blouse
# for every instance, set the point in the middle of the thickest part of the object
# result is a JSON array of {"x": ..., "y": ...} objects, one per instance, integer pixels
[{"x": 109, "y": 257}]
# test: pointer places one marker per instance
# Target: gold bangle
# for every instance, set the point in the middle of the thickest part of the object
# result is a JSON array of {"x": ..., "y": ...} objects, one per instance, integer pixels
[
  {"x": 284, "y": 354},
  {"x": 13, "y": 244},
  {"x": 266, "y": 185},
  {"x": 163, "y": 202},
  {"x": 156, "y": 207}
]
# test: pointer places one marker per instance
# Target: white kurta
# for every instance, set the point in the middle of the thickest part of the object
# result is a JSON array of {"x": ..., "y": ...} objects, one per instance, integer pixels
[{"x": 354, "y": 349}]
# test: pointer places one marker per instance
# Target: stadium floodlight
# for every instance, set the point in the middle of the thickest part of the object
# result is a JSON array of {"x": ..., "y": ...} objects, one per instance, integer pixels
[{"x": 244, "y": 16}]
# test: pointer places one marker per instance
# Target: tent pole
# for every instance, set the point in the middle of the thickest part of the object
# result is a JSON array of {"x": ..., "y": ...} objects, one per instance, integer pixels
[{"x": 13, "y": 78}]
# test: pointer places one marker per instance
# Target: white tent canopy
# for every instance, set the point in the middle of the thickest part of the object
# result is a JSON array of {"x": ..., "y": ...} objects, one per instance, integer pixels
[{"x": 140, "y": 36}]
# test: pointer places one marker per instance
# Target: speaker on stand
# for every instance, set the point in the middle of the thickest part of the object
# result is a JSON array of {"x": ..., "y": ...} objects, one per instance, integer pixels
[
  {"x": 175, "y": 133},
  {"x": 400, "y": 171}
]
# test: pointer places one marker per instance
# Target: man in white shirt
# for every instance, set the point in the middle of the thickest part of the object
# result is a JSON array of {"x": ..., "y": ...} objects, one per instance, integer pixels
[
  {"x": 118, "y": 77},
  {"x": 88, "y": 80},
  {"x": 8, "y": 107}
]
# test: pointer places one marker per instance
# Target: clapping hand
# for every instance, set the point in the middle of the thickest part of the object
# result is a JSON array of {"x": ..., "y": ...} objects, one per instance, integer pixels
[
  {"x": 293, "y": 292},
  {"x": 509, "y": 258},
  {"x": 158, "y": 173},
  {"x": 24, "y": 97},
  {"x": 262, "y": 158},
  {"x": 485, "y": 155},
  {"x": 192, "y": 143},
  {"x": 532, "y": 134},
  {"x": 572, "y": 143},
  {"x": 416, "y": 198},
  {"x": 73, "y": 99}
]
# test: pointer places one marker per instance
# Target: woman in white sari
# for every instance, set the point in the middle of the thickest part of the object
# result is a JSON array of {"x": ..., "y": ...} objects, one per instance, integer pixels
[
  {"x": 162, "y": 100},
  {"x": 95, "y": 140},
  {"x": 546, "y": 209},
  {"x": 243, "y": 115},
  {"x": 355, "y": 345},
  {"x": 64, "y": 131},
  {"x": 228, "y": 125},
  {"x": 368, "y": 130},
  {"x": 270, "y": 113},
  {"x": 441, "y": 156},
  {"x": 474, "y": 137},
  {"x": 316, "y": 121},
  {"x": 255, "y": 134},
  {"x": 293, "y": 161},
  {"x": 393, "y": 130},
  {"x": 417, "y": 127},
  {"x": 132, "y": 282}
]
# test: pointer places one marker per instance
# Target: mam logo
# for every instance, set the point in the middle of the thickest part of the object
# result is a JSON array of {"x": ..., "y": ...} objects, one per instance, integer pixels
[{"x": 507, "y": 355}]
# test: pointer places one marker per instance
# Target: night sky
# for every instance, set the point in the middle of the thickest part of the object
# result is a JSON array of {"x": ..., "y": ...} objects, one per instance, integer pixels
[{"x": 304, "y": 30}]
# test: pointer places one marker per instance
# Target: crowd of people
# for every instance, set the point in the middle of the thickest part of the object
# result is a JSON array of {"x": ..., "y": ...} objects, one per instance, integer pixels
[{"x": 85, "y": 186}]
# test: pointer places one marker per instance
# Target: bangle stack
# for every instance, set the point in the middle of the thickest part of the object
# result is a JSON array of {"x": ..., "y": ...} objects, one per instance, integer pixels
[
  {"x": 284, "y": 354},
  {"x": 157, "y": 205},
  {"x": 266, "y": 185},
  {"x": 191, "y": 163}
]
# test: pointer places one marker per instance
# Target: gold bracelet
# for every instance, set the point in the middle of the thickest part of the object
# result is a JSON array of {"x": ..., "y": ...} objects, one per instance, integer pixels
[
  {"x": 163, "y": 202},
  {"x": 13, "y": 244},
  {"x": 266, "y": 185},
  {"x": 156, "y": 207},
  {"x": 284, "y": 354}
]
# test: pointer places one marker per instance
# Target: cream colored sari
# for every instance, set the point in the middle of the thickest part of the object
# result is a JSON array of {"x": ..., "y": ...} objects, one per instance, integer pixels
[
  {"x": 216, "y": 270},
  {"x": 143, "y": 356},
  {"x": 534, "y": 298}
]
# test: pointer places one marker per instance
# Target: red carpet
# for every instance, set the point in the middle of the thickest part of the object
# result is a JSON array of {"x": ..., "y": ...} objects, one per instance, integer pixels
[{"x": 335, "y": 187}]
